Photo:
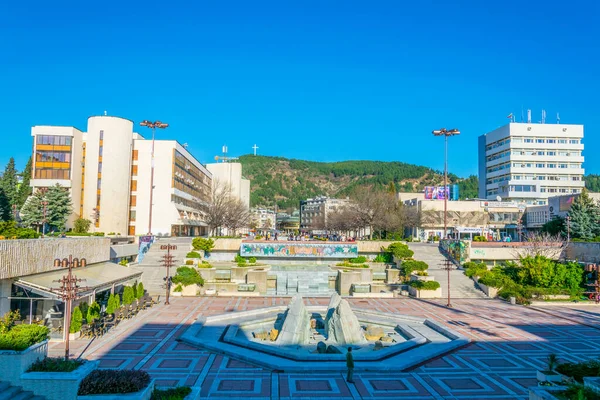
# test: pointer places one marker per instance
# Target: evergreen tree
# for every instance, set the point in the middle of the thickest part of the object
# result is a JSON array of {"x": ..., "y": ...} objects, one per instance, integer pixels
[
  {"x": 392, "y": 188},
  {"x": 5, "y": 209},
  {"x": 585, "y": 217},
  {"x": 59, "y": 207},
  {"x": 32, "y": 213},
  {"x": 24, "y": 190},
  {"x": 9, "y": 182}
]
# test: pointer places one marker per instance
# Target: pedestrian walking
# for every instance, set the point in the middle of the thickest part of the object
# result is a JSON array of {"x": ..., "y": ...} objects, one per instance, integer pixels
[{"x": 350, "y": 365}]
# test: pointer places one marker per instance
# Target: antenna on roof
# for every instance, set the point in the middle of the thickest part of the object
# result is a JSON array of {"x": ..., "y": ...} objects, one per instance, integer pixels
[
  {"x": 528, "y": 116},
  {"x": 543, "y": 116},
  {"x": 557, "y": 118},
  {"x": 105, "y": 113}
]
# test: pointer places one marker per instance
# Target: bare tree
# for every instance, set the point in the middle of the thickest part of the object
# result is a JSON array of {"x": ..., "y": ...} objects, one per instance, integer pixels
[
  {"x": 541, "y": 244},
  {"x": 225, "y": 210},
  {"x": 236, "y": 215}
]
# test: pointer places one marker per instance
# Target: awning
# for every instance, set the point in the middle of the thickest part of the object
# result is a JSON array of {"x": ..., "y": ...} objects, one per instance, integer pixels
[{"x": 95, "y": 277}]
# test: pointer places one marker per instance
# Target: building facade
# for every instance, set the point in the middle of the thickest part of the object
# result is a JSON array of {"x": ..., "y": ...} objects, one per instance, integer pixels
[
  {"x": 527, "y": 163},
  {"x": 263, "y": 219},
  {"x": 314, "y": 212},
  {"x": 557, "y": 207},
  {"x": 230, "y": 174},
  {"x": 108, "y": 172}
]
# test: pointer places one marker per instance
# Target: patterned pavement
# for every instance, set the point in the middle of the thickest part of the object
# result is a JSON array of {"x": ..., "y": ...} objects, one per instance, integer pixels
[{"x": 509, "y": 344}]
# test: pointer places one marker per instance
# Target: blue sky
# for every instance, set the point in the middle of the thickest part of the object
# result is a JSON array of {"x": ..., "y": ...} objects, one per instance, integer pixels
[{"x": 316, "y": 80}]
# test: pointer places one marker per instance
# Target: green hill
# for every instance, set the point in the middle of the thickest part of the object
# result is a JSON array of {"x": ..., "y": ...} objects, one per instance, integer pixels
[{"x": 288, "y": 181}]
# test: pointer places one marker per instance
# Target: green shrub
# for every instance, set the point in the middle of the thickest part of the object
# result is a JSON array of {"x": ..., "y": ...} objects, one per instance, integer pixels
[
  {"x": 192, "y": 254},
  {"x": 400, "y": 250},
  {"x": 55, "y": 364},
  {"x": 203, "y": 244},
  {"x": 140, "y": 290},
  {"x": 205, "y": 265},
  {"x": 177, "y": 393},
  {"x": 20, "y": 337},
  {"x": 189, "y": 262},
  {"x": 350, "y": 265},
  {"x": 178, "y": 289},
  {"x": 239, "y": 259},
  {"x": 110, "y": 305},
  {"x": 98, "y": 234},
  {"x": 422, "y": 273},
  {"x": 580, "y": 370},
  {"x": 409, "y": 266},
  {"x": 474, "y": 269},
  {"x": 479, "y": 239},
  {"x": 252, "y": 260},
  {"x": 113, "y": 381},
  {"x": 408, "y": 239},
  {"x": 93, "y": 312},
  {"x": 358, "y": 260},
  {"x": 110, "y": 233},
  {"x": 385, "y": 257},
  {"x": 578, "y": 392},
  {"x": 188, "y": 276},
  {"x": 425, "y": 285},
  {"x": 8, "y": 321},
  {"x": 76, "y": 320},
  {"x": 123, "y": 262},
  {"x": 128, "y": 295}
]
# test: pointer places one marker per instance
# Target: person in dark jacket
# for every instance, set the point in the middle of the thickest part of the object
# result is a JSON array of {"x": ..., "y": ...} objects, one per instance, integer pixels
[{"x": 350, "y": 365}]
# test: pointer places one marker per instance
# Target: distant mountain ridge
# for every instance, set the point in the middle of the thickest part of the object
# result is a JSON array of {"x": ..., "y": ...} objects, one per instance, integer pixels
[{"x": 288, "y": 181}]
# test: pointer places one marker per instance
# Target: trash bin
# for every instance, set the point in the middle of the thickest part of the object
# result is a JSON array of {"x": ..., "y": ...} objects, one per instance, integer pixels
[{"x": 513, "y": 300}]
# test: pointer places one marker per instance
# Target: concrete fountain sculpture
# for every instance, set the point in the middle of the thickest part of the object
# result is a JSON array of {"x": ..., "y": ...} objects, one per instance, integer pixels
[{"x": 300, "y": 338}]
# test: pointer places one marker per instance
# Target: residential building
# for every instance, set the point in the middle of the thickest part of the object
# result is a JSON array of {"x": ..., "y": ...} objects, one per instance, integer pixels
[
  {"x": 314, "y": 212},
  {"x": 263, "y": 219},
  {"x": 108, "y": 172},
  {"x": 527, "y": 163}
]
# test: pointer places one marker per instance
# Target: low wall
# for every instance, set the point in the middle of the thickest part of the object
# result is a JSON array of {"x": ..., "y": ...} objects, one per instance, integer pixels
[
  {"x": 585, "y": 252},
  {"x": 227, "y": 245},
  {"x": 57, "y": 385},
  {"x": 14, "y": 363},
  {"x": 425, "y": 294},
  {"x": 304, "y": 250}
]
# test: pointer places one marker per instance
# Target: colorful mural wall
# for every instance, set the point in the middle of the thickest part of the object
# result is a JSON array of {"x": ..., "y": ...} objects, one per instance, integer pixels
[{"x": 312, "y": 250}]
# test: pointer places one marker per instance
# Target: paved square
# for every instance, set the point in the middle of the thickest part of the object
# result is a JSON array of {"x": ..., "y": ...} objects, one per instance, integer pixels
[{"x": 509, "y": 344}]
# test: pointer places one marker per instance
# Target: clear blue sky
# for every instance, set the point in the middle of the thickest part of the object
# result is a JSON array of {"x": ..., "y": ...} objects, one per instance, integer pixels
[{"x": 316, "y": 80}]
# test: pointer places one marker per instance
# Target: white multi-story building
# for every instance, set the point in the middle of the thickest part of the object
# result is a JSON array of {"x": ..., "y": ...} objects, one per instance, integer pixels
[
  {"x": 230, "y": 174},
  {"x": 108, "y": 171},
  {"x": 314, "y": 212},
  {"x": 263, "y": 218},
  {"x": 527, "y": 163}
]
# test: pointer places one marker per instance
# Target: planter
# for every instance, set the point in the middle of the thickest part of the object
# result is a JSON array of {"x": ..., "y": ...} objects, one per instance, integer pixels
[
  {"x": 57, "y": 385},
  {"x": 425, "y": 294},
  {"x": 421, "y": 278},
  {"x": 190, "y": 291},
  {"x": 74, "y": 336},
  {"x": 489, "y": 291},
  {"x": 210, "y": 292},
  {"x": 144, "y": 394},
  {"x": 14, "y": 363},
  {"x": 549, "y": 376},
  {"x": 176, "y": 294}
]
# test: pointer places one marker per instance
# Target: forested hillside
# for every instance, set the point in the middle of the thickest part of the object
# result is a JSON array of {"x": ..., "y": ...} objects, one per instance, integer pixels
[{"x": 288, "y": 181}]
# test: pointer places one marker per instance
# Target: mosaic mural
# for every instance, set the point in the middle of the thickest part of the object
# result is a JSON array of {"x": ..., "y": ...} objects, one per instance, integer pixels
[{"x": 312, "y": 250}]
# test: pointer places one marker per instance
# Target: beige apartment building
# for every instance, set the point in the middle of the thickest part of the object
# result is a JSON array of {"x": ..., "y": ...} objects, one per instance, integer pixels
[{"x": 108, "y": 171}]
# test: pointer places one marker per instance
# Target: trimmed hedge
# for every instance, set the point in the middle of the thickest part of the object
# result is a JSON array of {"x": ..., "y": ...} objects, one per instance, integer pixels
[
  {"x": 20, "y": 337},
  {"x": 192, "y": 254},
  {"x": 409, "y": 266},
  {"x": 203, "y": 244},
  {"x": 425, "y": 285},
  {"x": 358, "y": 260},
  {"x": 188, "y": 276},
  {"x": 113, "y": 381},
  {"x": 177, "y": 393},
  {"x": 400, "y": 250}
]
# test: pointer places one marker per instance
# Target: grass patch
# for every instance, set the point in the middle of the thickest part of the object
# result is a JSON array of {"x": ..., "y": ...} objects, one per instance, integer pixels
[{"x": 52, "y": 364}]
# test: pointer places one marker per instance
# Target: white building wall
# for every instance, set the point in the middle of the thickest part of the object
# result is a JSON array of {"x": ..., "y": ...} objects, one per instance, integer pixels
[
  {"x": 116, "y": 172},
  {"x": 245, "y": 192},
  {"x": 231, "y": 174}
]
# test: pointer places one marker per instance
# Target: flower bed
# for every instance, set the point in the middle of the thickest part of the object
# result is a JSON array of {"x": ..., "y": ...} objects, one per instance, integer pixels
[
  {"x": 115, "y": 385},
  {"x": 56, "y": 379}
]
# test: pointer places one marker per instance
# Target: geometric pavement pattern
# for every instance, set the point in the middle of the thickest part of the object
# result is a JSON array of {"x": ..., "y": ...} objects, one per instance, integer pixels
[{"x": 509, "y": 343}]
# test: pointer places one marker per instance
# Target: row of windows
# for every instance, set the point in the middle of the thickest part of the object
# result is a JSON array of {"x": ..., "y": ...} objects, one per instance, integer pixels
[
  {"x": 52, "y": 156},
  {"x": 52, "y": 173},
  {"x": 498, "y": 167},
  {"x": 496, "y": 156},
  {"x": 523, "y": 152},
  {"x": 54, "y": 140},
  {"x": 547, "y": 165},
  {"x": 188, "y": 203},
  {"x": 547, "y": 177},
  {"x": 517, "y": 139},
  {"x": 545, "y": 189}
]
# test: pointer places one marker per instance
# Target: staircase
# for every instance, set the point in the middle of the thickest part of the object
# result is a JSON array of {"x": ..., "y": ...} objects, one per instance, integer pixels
[
  {"x": 461, "y": 286},
  {"x": 152, "y": 270},
  {"x": 8, "y": 392}
]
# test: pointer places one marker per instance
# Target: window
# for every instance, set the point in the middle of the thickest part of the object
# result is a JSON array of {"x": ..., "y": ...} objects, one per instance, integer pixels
[
  {"x": 99, "y": 167},
  {"x": 551, "y": 153},
  {"x": 101, "y": 135},
  {"x": 562, "y": 141},
  {"x": 529, "y": 153},
  {"x": 99, "y": 184},
  {"x": 97, "y": 200},
  {"x": 539, "y": 140},
  {"x": 135, "y": 155},
  {"x": 517, "y": 140},
  {"x": 575, "y": 178},
  {"x": 134, "y": 170},
  {"x": 539, "y": 153},
  {"x": 133, "y": 201},
  {"x": 132, "y": 231},
  {"x": 134, "y": 186},
  {"x": 132, "y": 215},
  {"x": 540, "y": 165},
  {"x": 541, "y": 177},
  {"x": 551, "y": 141},
  {"x": 550, "y": 165},
  {"x": 562, "y": 165},
  {"x": 563, "y": 153},
  {"x": 528, "y": 140},
  {"x": 573, "y": 141},
  {"x": 575, "y": 165}
]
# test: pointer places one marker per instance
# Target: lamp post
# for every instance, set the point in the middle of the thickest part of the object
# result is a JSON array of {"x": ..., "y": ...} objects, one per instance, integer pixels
[
  {"x": 153, "y": 126},
  {"x": 446, "y": 133},
  {"x": 167, "y": 262},
  {"x": 68, "y": 291},
  {"x": 568, "y": 228}
]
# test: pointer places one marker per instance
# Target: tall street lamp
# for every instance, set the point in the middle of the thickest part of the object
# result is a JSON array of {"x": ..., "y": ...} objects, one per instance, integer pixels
[
  {"x": 446, "y": 133},
  {"x": 568, "y": 228},
  {"x": 153, "y": 126}
]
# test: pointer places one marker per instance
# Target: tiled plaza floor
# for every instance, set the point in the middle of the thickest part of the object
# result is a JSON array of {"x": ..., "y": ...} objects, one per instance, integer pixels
[{"x": 509, "y": 344}]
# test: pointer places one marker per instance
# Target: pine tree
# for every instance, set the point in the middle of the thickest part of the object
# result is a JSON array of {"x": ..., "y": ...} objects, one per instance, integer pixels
[
  {"x": 24, "y": 190},
  {"x": 5, "y": 209},
  {"x": 392, "y": 188},
  {"x": 59, "y": 207},
  {"x": 584, "y": 217},
  {"x": 9, "y": 182},
  {"x": 32, "y": 213}
]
